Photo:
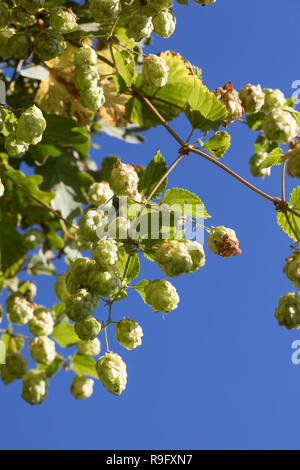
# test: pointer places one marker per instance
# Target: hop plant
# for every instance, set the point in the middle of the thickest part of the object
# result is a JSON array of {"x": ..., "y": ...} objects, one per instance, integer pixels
[
  {"x": 19, "y": 309},
  {"x": 119, "y": 228},
  {"x": 104, "y": 282},
  {"x": 32, "y": 6},
  {"x": 6, "y": 376},
  {"x": 164, "y": 24},
  {"x": 81, "y": 387},
  {"x": 139, "y": 25},
  {"x": 229, "y": 97},
  {"x": 255, "y": 164},
  {"x": 21, "y": 18},
  {"x": 89, "y": 348},
  {"x": 35, "y": 385},
  {"x": 86, "y": 77},
  {"x": 16, "y": 364},
  {"x": 93, "y": 98},
  {"x": 273, "y": 99},
  {"x": 31, "y": 126},
  {"x": 92, "y": 225},
  {"x": 33, "y": 238},
  {"x": 287, "y": 312},
  {"x": 223, "y": 241},
  {"x": 41, "y": 323},
  {"x": 173, "y": 258},
  {"x": 124, "y": 180},
  {"x": 19, "y": 46},
  {"x": 160, "y": 5},
  {"x": 196, "y": 252},
  {"x": 105, "y": 252},
  {"x": 5, "y": 35},
  {"x": 280, "y": 126},
  {"x": 49, "y": 44},
  {"x": 293, "y": 163},
  {"x": 105, "y": 11},
  {"x": 4, "y": 16},
  {"x": 79, "y": 274},
  {"x": 81, "y": 304},
  {"x": 14, "y": 147},
  {"x": 60, "y": 288},
  {"x": 252, "y": 98},
  {"x": 85, "y": 55},
  {"x": 42, "y": 350},
  {"x": 155, "y": 71},
  {"x": 161, "y": 295},
  {"x": 100, "y": 194},
  {"x": 128, "y": 333},
  {"x": 292, "y": 268},
  {"x": 87, "y": 329},
  {"x": 63, "y": 20},
  {"x": 112, "y": 373}
]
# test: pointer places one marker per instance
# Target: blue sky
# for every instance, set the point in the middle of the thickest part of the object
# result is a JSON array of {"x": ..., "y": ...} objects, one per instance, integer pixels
[{"x": 216, "y": 373}]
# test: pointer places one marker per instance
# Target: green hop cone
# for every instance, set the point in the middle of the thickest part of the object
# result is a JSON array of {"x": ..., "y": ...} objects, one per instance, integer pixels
[
  {"x": 1, "y": 188},
  {"x": 293, "y": 163},
  {"x": 173, "y": 258},
  {"x": 28, "y": 288},
  {"x": 229, "y": 97},
  {"x": 16, "y": 364},
  {"x": 42, "y": 350},
  {"x": 292, "y": 268},
  {"x": 42, "y": 323},
  {"x": 92, "y": 225},
  {"x": 104, "y": 282},
  {"x": 196, "y": 252},
  {"x": 87, "y": 329},
  {"x": 252, "y": 98},
  {"x": 164, "y": 24},
  {"x": 100, "y": 194},
  {"x": 223, "y": 241},
  {"x": 5, "y": 35},
  {"x": 31, "y": 126},
  {"x": 35, "y": 385},
  {"x": 273, "y": 99},
  {"x": 280, "y": 126},
  {"x": 78, "y": 274},
  {"x": 161, "y": 295},
  {"x": 118, "y": 228},
  {"x": 14, "y": 147},
  {"x": 49, "y": 44},
  {"x": 89, "y": 348},
  {"x": 124, "y": 180},
  {"x": 86, "y": 77},
  {"x": 159, "y": 5},
  {"x": 6, "y": 376},
  {"x": 105, "y": 252},
  {"x": 63, "y": 20},
  {"x": 139, "y": 26},
  {"x": 18, "y": 46},
  {"x": 19, "y": 309},
  {"x": 105, "y": 11},
  {"x": 21, "y": 18},
  {"x": 33, "y": 239},
  {"x": 287, "y": 312},
  {"x": 81, "y": 387},
  {"x": 4, "y": 16},
  {"x": 84, "y": 56},
  {"x": 60, "y": 288},
  {"x": 93, "y": 98},
  {"x": 155, "y": 71},
  {"x": 32, "y": 6},
  {"x": 128, "y": 333},
  {"x": 81, "y": 305},
  {"x": 255, "y": 164},
  {"x": 112, "y": 373}
]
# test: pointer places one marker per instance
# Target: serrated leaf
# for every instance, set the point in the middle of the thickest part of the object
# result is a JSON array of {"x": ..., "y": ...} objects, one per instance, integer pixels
[
  {"x": 274, "y": 158},
  {"x": 218, "y": 144},
  {"x": 294, "y": 203},
  {"x": 84, "y": 365},
  {"x": 133, "y": 266},
  {"x": 65, "y": 335},
  {"x": 140, "y": 288},
  {"x": 153, "y": 173},
  {"x": 125, "y": 63},
  {"x": 191, "y": 205}
]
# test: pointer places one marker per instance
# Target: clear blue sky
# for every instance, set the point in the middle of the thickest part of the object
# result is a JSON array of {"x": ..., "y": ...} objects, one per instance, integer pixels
[{"x": 217, "y": 372}]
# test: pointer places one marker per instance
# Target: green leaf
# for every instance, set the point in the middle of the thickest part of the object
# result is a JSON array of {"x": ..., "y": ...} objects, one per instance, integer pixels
[
  {"x": 53, "y": 367},
  {"x": 133, "y": 267},
  {"x": 65, "y": 335},
  {"x": 255, "y": 120},
  {"x": 40, "y": 152},
  {"x": 203, "y": 109},
  {"x": 294, "y": 220},
  {"x": 190, "y": 204},
  {"x": 84, "y": 365},
  {"x": 63, "y": 131},
  {"x": 12, "y": 250},
  {"x": 274, "y": 158},
  {"x": 153, "y": 173},
  {"x": 218, "y": 144},
  {"x": 125, "y": 63},
  {"x": 106, "y": 168},
  {"x": 140, "y": 288}
]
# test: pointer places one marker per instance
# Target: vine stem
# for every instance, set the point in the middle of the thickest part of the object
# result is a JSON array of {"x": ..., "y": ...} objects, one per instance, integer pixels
[
  {"x": 28, "y": 193},
  {"x": 107, "y": 348},
  {"x": 178, "y": 159},
  {"x": 283, "y": 180}
]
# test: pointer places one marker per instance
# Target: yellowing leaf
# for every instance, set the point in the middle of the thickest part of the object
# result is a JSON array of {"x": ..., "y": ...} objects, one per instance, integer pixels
[{"x": 113, "y": 111}]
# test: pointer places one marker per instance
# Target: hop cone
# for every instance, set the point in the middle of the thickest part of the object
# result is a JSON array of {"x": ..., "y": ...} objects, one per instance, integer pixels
[
  {"x": 161, "y": 295},
  {"x": 287, "y": 312},
  {"x": 128, "y": 333},
  {"x": 173, "y": 258},
  {"x": 35, "y": 385},
  {"x": 82, "y": 387},
  {"x": 223, "y": 241},
  {"x": 112, "y": 373},
  {"x": 292, "y": 268}
]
